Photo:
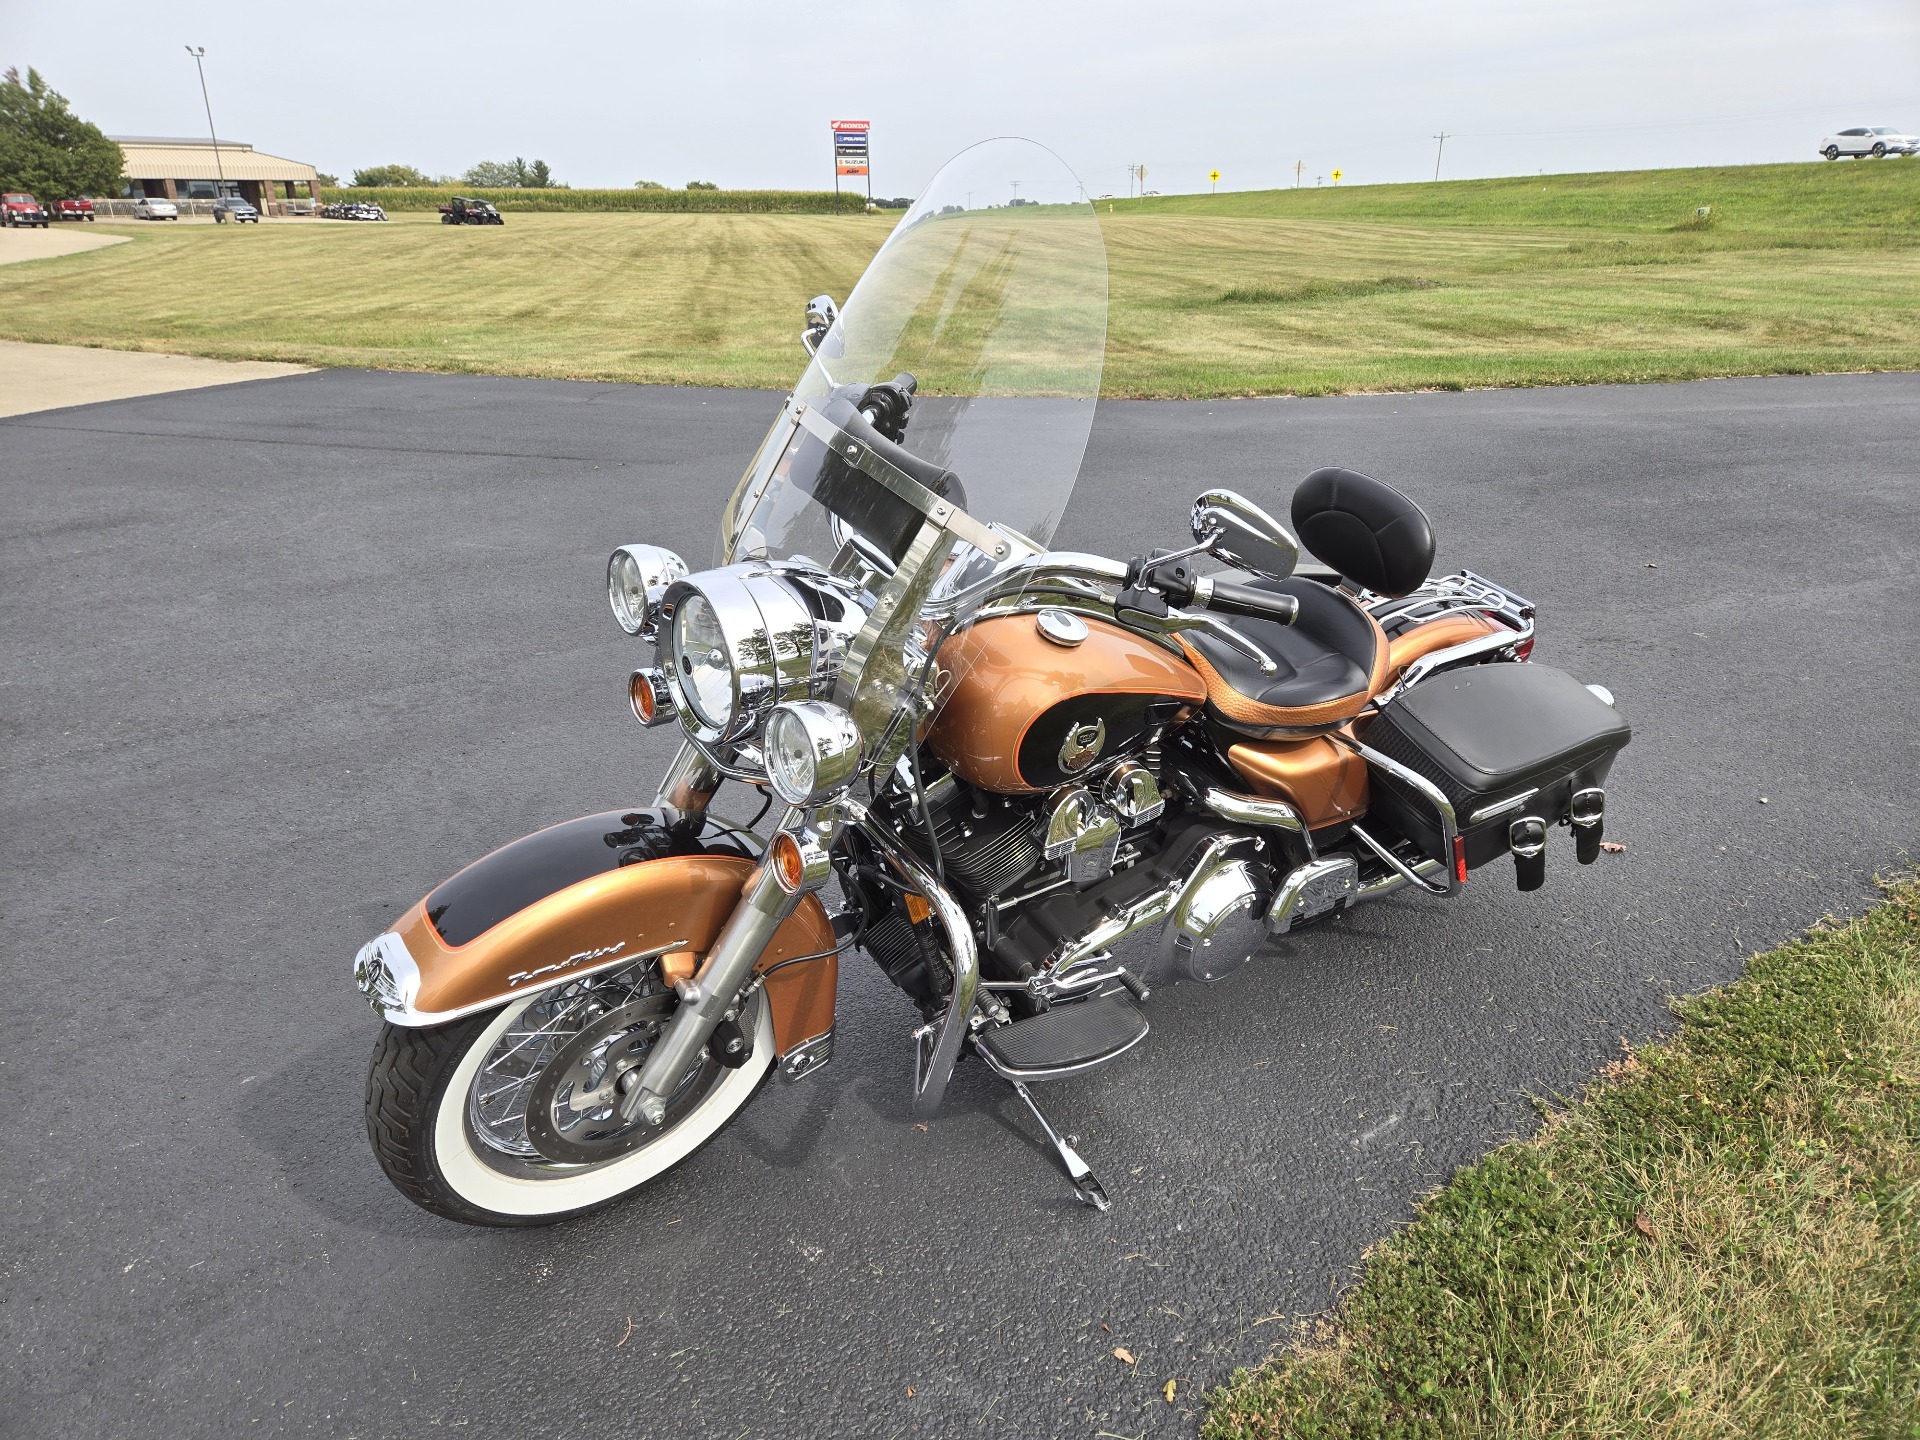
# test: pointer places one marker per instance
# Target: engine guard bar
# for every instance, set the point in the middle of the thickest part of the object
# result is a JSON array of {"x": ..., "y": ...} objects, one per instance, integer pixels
[{"x": 936, "y": 1044}]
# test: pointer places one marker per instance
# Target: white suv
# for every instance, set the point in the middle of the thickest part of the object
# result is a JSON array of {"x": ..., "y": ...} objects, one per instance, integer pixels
[{"x": 1864, "y": 140}]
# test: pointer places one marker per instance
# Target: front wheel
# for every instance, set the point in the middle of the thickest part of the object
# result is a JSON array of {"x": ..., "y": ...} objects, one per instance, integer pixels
[
  {"x": 511, "y": 1118},
  {"x": 1832, "y": 152}
]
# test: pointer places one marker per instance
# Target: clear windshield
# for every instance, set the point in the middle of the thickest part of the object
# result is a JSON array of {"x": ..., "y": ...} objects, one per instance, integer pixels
[{"x": 991, "y": 294}]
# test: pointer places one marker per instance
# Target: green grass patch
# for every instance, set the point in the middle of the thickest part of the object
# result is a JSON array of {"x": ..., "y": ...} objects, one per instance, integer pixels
[
  {"x": 1841, "y": 199},
  {"x": 1721, "y": 1238},
  {"x": 546, "y": 202},
  {"x": 1322, "y": 290},
  {"x": 1546, "y": 281}
]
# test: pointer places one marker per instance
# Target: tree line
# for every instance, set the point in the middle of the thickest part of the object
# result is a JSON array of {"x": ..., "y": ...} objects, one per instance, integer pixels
[{"x": 47, "y": 150}]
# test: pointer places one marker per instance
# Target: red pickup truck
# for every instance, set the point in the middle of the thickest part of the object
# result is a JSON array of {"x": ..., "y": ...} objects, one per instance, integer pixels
[
  {"x": 17, "y": 209},
  {"x": 73, "y": 210}
]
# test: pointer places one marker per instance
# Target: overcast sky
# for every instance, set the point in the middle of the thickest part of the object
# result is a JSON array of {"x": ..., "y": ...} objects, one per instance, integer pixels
[{"x": 741, "y": 94}]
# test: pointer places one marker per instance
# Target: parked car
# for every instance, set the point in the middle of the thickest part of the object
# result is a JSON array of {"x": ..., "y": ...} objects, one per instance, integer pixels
[
  {"x": 232, "y": 207},
  {"x": 462, "y": 211},
  {"x": 153, "y": 207},
  {"x": 1864, "y": 140},
  {"x": 73, "y": 209},
  {"x": 21, "y": 209}
]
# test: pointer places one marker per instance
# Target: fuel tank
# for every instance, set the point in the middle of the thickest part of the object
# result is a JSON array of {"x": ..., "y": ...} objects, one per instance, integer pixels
[{"x": 1025, "y": 712}]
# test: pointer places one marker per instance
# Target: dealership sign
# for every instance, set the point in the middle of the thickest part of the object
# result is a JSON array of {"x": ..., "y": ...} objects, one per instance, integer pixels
[{"x": 850, "y": 147}]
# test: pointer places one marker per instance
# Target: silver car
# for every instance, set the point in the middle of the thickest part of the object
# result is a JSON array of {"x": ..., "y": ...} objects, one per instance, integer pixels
[
  {"x": 150, "y": 207},
  {"x": 1865, "y": 140}
]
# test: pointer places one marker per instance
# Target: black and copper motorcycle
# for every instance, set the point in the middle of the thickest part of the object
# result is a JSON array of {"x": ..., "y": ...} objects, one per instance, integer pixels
[{"x": 1032, "y": 786}]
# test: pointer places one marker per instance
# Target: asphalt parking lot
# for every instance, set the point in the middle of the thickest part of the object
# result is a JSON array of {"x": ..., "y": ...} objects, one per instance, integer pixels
[{"x": 280, "y": 656}]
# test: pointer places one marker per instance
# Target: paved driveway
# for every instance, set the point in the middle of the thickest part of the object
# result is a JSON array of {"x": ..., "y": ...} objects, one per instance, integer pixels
[{"x": 276, "y": 658}]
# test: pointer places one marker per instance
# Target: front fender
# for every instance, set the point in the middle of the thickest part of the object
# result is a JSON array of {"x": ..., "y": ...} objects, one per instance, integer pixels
[{"x": 589, "y": 895}]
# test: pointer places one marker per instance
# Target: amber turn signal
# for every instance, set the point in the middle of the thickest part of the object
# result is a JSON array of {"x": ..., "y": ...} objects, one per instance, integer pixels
[
  {"x": 650, "y": 698},
  {"x": 789, "y": 866}
]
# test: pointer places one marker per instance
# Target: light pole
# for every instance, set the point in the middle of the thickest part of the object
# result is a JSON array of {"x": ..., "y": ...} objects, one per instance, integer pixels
[{"x": 200, "y": 64}]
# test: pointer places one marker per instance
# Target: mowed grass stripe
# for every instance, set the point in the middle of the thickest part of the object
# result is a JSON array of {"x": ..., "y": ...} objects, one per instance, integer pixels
[{"x": 1570, "y": 279}]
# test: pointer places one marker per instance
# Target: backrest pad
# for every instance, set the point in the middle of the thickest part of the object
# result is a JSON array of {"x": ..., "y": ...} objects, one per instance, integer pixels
[{"x": 1365, "y": 529}]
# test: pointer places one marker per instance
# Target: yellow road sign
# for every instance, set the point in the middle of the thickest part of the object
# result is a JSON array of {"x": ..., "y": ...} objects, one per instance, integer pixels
[
  {"x": 1336, "y": 177},
  {"x": 1214, "y": 175}
]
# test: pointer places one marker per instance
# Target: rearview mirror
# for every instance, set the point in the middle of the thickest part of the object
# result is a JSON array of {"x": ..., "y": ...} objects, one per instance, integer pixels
[
  {"x": 1236, "y": 530},
  {"x": 821, "y": 313}
]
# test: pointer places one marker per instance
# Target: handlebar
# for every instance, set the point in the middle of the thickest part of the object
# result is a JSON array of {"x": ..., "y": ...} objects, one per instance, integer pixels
[
  {"x": 1230, "y": 597},
  {"x": 1152, "y": 586}
]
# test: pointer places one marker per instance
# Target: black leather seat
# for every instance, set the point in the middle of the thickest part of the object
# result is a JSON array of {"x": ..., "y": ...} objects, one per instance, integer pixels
[
  {"x": 1328, "y": 663},
  {"x": 1333, "y": 659}
]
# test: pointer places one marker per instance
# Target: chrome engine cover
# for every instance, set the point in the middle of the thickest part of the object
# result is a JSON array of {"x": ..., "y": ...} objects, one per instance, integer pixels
[
  {"x": 1218, "y": 922},
  {"x": 1312, "y": 890}
]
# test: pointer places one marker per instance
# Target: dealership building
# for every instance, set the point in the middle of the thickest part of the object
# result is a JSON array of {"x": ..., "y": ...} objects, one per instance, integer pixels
[{"x": 173, "y": 169}]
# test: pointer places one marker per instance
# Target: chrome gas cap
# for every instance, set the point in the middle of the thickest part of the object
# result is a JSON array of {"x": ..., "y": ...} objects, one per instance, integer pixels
[{"x": 1062, "y": 627}]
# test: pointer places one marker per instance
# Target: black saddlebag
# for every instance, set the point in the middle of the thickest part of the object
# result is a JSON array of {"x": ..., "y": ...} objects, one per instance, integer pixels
[{"x": 1487, "y": 735}]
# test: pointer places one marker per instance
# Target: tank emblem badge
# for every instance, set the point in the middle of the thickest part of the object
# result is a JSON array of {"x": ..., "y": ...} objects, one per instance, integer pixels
[{"x": 1082, "y": 745}]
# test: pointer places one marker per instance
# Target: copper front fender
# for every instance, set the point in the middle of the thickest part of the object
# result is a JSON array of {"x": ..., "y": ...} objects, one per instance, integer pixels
[{"x": 592, "y": 894}]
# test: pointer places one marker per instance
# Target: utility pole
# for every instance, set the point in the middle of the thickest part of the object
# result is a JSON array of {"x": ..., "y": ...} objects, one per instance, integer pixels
[
  {"x": 1442, "y": 138},
  {"x": 1298, "y": 166},
  {"x": 200, "y": 63}
]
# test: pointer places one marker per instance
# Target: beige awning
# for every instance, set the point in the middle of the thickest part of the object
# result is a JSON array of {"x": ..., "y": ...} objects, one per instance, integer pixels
[{"x": 196, "y": 162}]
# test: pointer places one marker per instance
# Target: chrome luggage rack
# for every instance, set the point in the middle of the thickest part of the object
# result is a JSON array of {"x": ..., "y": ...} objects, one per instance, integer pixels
[
  {"x": 1461, "y": 593},
  {"x": 1458, "y": 592}
]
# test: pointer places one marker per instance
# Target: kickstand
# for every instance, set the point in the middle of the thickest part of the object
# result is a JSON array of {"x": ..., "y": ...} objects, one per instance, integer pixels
[{"x": 1084, "y": 1185}]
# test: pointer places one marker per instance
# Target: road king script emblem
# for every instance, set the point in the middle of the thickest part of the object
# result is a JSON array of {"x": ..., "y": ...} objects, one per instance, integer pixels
[
  {"x": 583, "y": 958},
  {"x": 1082, "y": 745}
]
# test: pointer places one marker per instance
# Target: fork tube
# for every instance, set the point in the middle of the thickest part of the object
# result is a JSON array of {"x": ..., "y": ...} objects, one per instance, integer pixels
[
  {"x": 705, "y": 998},
  {"x": 689, "y": 782}
]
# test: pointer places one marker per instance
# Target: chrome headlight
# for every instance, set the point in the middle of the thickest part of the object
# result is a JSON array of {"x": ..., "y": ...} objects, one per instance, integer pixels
[
  {"x": 637, "y": 581},
  {"x": 703, "y": 662},
  {"x": 812, "y": 749},
  {"x": 747, "y": 637}
]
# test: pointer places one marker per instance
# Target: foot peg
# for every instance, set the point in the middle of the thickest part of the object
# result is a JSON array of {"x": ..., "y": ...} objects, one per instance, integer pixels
[
  {"x": 1085, "y": 1186},
  {"x": 1064, "y": 1040}
]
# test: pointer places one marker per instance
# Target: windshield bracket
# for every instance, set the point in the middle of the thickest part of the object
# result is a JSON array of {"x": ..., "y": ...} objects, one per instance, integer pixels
[{"x": 868, "y": 462}]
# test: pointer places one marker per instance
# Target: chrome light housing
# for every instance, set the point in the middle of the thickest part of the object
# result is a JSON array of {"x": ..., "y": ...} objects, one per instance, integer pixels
[
  {"x": 812, "y": 750},
  {"x": 637, "y": 581},
  {"x": 747, "y": 637}
]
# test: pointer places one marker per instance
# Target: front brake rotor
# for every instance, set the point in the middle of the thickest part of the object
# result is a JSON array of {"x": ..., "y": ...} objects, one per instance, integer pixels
[{"x": 573, "y": 1109}]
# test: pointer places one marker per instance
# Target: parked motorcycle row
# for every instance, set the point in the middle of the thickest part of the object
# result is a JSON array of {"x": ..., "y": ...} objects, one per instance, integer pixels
[{"x": 1031, "y": 786}]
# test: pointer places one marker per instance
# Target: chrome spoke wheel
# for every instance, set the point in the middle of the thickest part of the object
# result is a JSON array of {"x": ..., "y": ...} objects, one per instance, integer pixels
[{"x": 497, "y": 1100}]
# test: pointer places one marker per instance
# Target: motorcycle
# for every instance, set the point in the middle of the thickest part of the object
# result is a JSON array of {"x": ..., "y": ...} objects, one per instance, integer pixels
[{"x": 1032, "y": 786}]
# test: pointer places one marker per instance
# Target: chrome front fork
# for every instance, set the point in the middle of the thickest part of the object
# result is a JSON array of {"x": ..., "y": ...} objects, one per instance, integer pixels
[
  {"x": 689, "y": 783},
  {"x": 765, "y": 904},
  {"x": 706, "y": 997}
]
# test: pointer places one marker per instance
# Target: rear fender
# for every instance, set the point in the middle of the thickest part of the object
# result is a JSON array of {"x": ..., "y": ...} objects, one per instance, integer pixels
[{"x": 585, "y": 896}]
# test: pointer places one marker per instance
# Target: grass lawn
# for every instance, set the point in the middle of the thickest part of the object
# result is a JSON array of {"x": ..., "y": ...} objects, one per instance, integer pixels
[
  {"x": 1540, "y": 280},
  {"x": 1720, "y": 1239}
]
